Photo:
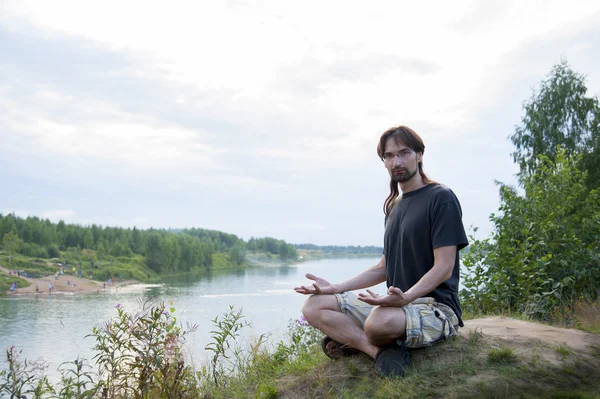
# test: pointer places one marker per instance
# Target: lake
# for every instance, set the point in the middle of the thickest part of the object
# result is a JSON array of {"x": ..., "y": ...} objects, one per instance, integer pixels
[{"x": 53, "y": 327}]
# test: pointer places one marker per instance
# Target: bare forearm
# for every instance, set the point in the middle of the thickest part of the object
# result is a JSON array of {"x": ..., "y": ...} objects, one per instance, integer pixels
[
  {"x": 372, "y": 276},
  {"x": 439, "y": 273}
]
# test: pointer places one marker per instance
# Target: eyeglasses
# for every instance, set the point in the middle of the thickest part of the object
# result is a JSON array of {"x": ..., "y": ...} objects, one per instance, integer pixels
[{"x": 404, "y": 154}]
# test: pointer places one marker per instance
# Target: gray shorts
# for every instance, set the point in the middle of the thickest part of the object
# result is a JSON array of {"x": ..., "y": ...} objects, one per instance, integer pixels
[{"x": 426, "y": 320}]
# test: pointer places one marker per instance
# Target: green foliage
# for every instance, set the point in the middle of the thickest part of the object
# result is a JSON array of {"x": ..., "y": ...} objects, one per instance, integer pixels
[
  {"x": 256, "y": 369},
  {"x": 237, "y": 253},
  {"x": 23, "y": 377},
  {"x": 543, "y": 253},
  {"x": 53, "y": 251},
  {"x": 301, "y": 337},
  {"x": 6, "y": 282},
  {"x": 222, "y": 241},
  {"x": 33, "y": 250},
  {"x": 77, "y": 380},
  {"x": 139, "y": 355},
  {"x": 342, "y": 251},
  {"x": 454, "y": 369},
  {"x": 221, "y": 261},
  {"x": 226, "y": 330},
  {"x": 502, "y": 356},
  {"x": 10, "y": 242},
  {"x": 273, "y": 246},
  {"x": 560, "y": 115},
  {"x": 563, "y": 351},
  {"x": 266, "y": 391},
  {"x": 107, "y": 252}
]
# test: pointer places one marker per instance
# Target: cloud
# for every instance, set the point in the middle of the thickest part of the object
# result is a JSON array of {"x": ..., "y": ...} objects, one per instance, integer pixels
[{"x": 58, "y": 214}]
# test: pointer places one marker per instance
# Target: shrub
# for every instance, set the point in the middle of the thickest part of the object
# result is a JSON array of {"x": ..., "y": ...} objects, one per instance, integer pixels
[
  {"x": 139, "y": 355},
  {"x": 53, "y": 251},
  {"x": 544, "y": 251}
]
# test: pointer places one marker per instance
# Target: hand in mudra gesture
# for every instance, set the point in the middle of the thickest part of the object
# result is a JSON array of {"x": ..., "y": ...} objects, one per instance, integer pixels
[
  {"x": 394, "y": 298},
  {"x": 319, "y": 287}
]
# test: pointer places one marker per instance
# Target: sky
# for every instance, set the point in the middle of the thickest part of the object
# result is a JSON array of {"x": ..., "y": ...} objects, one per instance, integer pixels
[{"x": 261, "y": 118}]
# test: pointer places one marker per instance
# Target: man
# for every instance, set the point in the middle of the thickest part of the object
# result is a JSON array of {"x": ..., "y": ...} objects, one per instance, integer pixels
[{"x": 420, "y": 263}]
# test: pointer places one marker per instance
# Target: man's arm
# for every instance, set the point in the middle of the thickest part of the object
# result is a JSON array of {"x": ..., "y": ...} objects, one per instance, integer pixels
[
  {"x": 372, "y": 276},
  {"x": 440, "y": 272}
]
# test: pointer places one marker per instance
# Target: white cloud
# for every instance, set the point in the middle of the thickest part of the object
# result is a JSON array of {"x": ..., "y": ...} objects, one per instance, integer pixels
[
  {"x": 57, "y": 214},
  {"x": 252, "y": 49}
]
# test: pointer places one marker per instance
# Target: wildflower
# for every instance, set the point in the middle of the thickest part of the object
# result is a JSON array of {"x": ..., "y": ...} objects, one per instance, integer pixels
[
  {"x": 118, "y": 306},
  {"x": 302, "y": 321}
]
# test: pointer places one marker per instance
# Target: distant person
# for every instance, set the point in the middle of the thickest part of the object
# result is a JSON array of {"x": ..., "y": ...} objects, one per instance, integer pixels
[
  {"x": 13, "y": 286},
  {"x": 423, "y": 234},
  {"x": 49, "y": 288}
]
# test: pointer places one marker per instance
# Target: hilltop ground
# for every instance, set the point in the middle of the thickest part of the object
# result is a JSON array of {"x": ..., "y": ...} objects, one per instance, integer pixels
[{"x": 493, "y": 357}]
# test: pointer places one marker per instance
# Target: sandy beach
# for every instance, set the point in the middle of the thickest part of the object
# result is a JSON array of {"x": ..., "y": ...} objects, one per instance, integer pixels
[{"x": 65, "y": 284}]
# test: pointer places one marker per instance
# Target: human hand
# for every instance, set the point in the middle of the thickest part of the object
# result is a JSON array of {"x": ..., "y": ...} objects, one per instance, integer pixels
[
  {"x": 319, "y": 287},
  {"x": 395, "y": 297}
]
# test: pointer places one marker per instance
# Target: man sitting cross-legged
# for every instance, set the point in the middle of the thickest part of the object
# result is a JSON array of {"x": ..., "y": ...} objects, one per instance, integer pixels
[{"x": 423, "y": 234}]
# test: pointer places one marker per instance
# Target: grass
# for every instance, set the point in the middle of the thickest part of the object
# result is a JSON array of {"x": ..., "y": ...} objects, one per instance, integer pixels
[
  {"x": 563, "y": 351},
  {"x": 501, "y": 355},
  {"x": 471, "y": 365},
  {"x": 468, "y": 366}
]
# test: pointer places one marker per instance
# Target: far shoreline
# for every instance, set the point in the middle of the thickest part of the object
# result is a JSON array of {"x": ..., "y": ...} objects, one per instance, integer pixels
[{"x": 64, "y": 284}]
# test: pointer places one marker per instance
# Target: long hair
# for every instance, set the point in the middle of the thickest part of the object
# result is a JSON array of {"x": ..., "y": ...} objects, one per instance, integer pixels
[{"x": 415, "y": 143}]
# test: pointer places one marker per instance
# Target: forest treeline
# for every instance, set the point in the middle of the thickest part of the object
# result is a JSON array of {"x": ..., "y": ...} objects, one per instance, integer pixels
[
  {"x": 163, "y": 251},
  {"x": 336, "y": 250}
]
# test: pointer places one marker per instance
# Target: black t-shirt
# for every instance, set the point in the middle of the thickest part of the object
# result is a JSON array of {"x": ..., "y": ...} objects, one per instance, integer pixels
[{"x": 423, "y": 220}]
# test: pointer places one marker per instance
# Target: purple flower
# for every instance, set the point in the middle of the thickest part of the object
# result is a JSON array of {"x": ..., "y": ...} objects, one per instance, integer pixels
[
  {"x": 118, "y": 306},
  {"x": 302, "y": 321}
]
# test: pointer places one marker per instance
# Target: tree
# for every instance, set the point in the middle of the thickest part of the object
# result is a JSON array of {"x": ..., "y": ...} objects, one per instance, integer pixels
[
  {"x": 154, "y": 256},
  {"x": 237, "y": 253},
  {"x": 543, "y": 253},
  {"x": 10, "y": 242},
  {"x": 560, "y": 115},
  {"x": 88, "y": 239},
  {"x": 283, "y": 251}
]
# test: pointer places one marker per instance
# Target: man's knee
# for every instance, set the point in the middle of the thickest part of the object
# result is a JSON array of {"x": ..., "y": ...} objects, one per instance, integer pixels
[
  {"x": 315, "y": 305},
  {"x": 385, "y": 325},
  {"x": 309, "y": 308}
]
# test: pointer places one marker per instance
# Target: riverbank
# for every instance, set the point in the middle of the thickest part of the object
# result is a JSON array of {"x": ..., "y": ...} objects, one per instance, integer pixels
[{"x": 63, "y": 284}]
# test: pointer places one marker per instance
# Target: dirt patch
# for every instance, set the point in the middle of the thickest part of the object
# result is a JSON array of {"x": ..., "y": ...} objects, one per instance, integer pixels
[
  {"x": 64, "y": 284},
  {"x": 519, "y": 330}
]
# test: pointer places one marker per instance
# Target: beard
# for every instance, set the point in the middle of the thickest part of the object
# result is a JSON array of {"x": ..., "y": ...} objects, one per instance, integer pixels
[{"x": 404, "y": 177}]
